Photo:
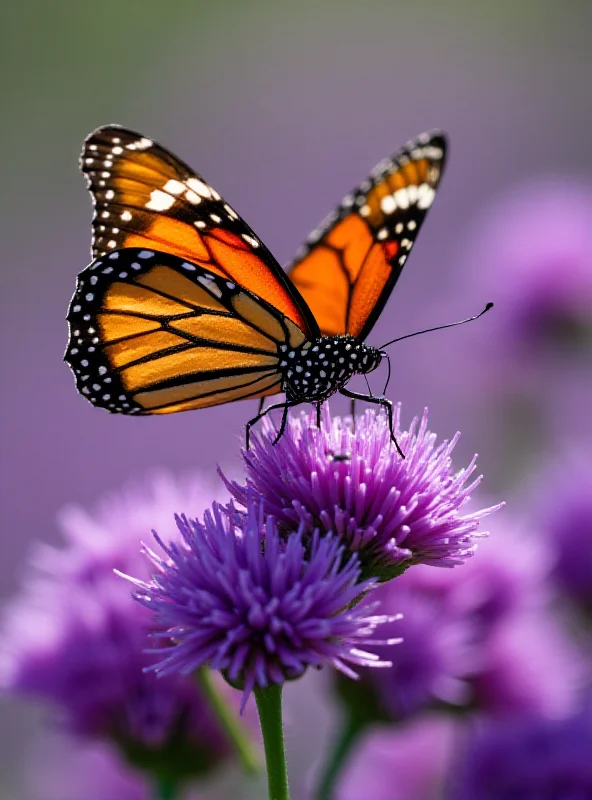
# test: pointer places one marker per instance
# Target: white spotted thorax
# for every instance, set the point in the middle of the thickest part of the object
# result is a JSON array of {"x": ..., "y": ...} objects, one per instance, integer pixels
[{"x": 317, "y": 369}]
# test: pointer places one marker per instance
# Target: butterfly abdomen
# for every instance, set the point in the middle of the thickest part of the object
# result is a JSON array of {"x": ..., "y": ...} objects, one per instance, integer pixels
[{"x": 319, "y": 368}]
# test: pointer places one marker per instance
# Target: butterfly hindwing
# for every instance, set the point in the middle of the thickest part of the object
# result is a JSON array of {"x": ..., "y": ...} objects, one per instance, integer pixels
[
  {"x": 151, "y": 332},
  {"x": 145, "y": 197},
  {"x": 348, "y": 267}
]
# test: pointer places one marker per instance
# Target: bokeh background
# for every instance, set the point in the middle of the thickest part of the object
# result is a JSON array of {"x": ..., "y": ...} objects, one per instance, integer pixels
[{"x": 284, "y": 107}]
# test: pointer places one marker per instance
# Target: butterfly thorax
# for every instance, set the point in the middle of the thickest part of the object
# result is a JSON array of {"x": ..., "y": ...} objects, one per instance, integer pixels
[{"x": 320, "y": 367}]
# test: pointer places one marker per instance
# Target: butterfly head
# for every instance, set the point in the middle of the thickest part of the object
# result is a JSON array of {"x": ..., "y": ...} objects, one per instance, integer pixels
[{"x": 370, "y": 359}]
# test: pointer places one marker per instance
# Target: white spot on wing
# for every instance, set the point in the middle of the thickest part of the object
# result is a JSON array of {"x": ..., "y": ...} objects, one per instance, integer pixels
[
  {"x": 425, "y": 196},
  {"x": 210, "y": 285},
  {"x": 199, "y": 186},
  {"x": 412, "y": 193},
  {"x": 250, "y": 240},
  {"x": 174, "y": 187},
  {"x": 160, "y": 201},
  {"x": 401, "y": 198},
  {"x": 192, "y": 197},
  {"x": 388, "y": 204}
]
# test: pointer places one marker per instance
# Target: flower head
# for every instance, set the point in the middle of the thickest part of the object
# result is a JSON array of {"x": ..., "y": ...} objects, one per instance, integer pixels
[
  {"x": 408, "y": 761},
  {"x": 70, "y": 768},
  {"x": 534, "y": 249},
  {"x": 530, "y": 757},
  {"x": 393, "y": 512},
  {"x": 97, "y": 542},
  {"x": 235, "y": 595},
  {"x": 75, "y": 639},
  {"x": 564, "y": 517},
  {"x": 481, "y": 638}
]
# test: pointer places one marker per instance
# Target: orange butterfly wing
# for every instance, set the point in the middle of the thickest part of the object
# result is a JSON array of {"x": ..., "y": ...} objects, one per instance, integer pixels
[
  {"x": 151, "y": 333},
  {"x": 350, "y": 264},
  {"x": 146, "y": 197}
]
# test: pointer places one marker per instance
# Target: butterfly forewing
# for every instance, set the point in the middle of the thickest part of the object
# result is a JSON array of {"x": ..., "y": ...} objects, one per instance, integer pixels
[
  {"x": 153, "y": 333},
  {"x": 146, "y": 197},
  {"x": 351, "y": 262}
]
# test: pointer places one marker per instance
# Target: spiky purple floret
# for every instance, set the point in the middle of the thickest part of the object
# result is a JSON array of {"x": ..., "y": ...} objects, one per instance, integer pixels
[
  {"x": 393, "y": 512},
  {"x": 260, "y": 608},
  {"x": 74, "y": 640},
  {"x": 527, "y": 757}
]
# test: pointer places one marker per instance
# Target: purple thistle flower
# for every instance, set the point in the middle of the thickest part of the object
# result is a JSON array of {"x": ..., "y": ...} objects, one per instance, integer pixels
[
  {"x": 108, "y": 537},
  {"x": 406, "y": 762},
  {"x": 534, "y": 248},
  {"x": 69, "y": 768},
  {"x": 484, "y": 638},
  {"x": 393, "y": 512},
  {"x": 530, "y": 362},
  {"x": 261, "y": 609},
  {"x": 527, "y": 758},
  {"x": 75, "y": 640},
  {"x": 564, "y": 517}
]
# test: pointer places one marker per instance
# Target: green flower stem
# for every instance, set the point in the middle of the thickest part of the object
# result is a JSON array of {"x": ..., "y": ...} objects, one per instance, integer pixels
[
  {"x": 235, "y": 731},
  {"x": 342, "y": 747},
  {"x": 165, "y": 789},
  {"x": 269, "y": 705}
]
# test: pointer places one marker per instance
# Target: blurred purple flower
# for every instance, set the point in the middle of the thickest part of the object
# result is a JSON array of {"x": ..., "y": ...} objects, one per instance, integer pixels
[
  {"x": 75, "y": 639},
  {"x": 534, "y": 251},
  {"x": 564, "y": 517},
  {"x": 109, "y": 537},
  {"x": 261, "y": 609},
  {"x": 527, "y": 758},
  {"x": 532, "y": 255},
  {"x": 393, "y": 512},
  {"x": 64, "y": 768},
  {"x": 410, "y": 762},
  {"x": 483, "y": 638}
]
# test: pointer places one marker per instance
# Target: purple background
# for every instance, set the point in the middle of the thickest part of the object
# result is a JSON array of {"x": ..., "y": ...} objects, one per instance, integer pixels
[{"x": 283, "y": 109}]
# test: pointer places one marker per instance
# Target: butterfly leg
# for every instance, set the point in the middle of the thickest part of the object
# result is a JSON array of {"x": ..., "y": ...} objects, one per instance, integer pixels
[
  {"x": 319, "y": 406},
  {"x": 352, "y": 411},
  {"x": 284, "y": 420},
  {"x": 261, "y": 414},
  {"x": 261, "y": 404},
  {"x": 379, "y": 401}
]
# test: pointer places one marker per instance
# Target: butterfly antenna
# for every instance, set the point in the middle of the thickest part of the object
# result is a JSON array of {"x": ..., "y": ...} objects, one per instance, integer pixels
[
  {"x": 384, "y": 354},
  {"x": 439, "y": 327}
]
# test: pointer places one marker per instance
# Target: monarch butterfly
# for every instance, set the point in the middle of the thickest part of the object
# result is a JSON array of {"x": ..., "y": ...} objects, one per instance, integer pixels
[{"x": 184, "y": 307}]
